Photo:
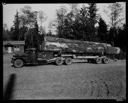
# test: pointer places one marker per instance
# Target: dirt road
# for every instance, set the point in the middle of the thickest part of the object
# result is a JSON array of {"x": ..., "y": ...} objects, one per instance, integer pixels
[{"x": 76, "y": 81}]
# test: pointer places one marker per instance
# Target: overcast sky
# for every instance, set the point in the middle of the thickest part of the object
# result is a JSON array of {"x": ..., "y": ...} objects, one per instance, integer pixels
[{"x": 9, "y": 10}]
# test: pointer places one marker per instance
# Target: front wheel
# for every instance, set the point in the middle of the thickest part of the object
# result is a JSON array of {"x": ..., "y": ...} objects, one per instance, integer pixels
[{"x": 18, "y": 63}]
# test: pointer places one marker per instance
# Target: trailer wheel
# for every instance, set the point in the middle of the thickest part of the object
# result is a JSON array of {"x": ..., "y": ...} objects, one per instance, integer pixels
[
  {"x": 98, "y": 60},
  {"x": 106, "y": 60},
  {"x": 59, "y": 61},
  {"x": 68, "y": 61},
  {"x": 18, "y": 63}
]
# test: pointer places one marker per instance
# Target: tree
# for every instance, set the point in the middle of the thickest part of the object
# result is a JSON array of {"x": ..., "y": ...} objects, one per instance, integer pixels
[
  {"x": 60, "y": 18},
  {"x": 85, "y": 22},
  {"x": 52, "y": 27},
  {"x": 102, "y": 30},
  {"x": 27, "y": 17},
  {"x": 42, "y": 30},
  {"x": 18, "y": 31},
  {"x": 92, "y": 20},
  {"x": 15, "y": 28},
  {"x": 22, "y": 32},
  {"x": 115, "y": 14},
  {"x": 71, "y": 17},
  {"x": 121, "y": 38},
  {"x": 82, "y": 21},
  {"x": 77, "y": 24},
  {"x": 74, "y": 23},
  {"x": 74, "y": 9},
  {"x": 42, "y": 18},
  {"x": 24, "y": 20},
  {"x": 6, "y": 33},
  {"x": 32, "y": 39},
  {"x": 116, "y": 10}
]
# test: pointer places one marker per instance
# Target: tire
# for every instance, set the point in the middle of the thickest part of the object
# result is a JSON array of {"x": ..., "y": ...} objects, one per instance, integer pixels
[
  {"x": 106, "y": 60},
  {"x": 98, "y": 60},
  {"x": 59, "y": 61},
  {"x": 18, "y": 63},
  {"x": 68, "y": 61}
]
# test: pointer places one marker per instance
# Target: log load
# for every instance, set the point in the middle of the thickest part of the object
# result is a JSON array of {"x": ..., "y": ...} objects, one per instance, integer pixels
[{"x": 77, "y": 46}]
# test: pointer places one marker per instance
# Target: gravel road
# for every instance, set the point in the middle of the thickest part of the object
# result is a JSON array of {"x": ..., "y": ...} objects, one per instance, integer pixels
[{"x": 76, "y": 81}]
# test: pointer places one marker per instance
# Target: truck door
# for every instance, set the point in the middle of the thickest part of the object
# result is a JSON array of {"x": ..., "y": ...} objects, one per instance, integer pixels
[
  {"x": 34, "y": 57},
  {"x": 45, "y": 55},
  {"x": 31, "y": 58}
]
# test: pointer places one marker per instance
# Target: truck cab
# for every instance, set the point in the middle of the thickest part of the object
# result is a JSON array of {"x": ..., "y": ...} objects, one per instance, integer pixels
[{"x": 34, "y": 57}]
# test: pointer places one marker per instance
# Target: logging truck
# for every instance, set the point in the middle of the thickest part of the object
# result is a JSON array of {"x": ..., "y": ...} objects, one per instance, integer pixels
[{"x": 63, "y": 51}]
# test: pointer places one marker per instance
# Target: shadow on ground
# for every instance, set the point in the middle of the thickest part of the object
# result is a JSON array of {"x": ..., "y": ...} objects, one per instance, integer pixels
[{"x": 9, "y": 89}]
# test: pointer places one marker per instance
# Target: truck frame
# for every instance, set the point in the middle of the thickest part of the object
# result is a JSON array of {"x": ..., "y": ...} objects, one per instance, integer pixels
[{"x": 32, "y": 56}]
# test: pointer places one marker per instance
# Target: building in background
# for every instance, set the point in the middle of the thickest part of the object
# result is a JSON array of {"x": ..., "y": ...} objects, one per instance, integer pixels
[{"x": 13, "y": 46}]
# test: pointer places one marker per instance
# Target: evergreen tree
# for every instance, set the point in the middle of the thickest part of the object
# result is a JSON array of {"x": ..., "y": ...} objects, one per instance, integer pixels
[
  {"x": 15, "y": 28},
  {"x": 22, "y": 32},
  {"x": 116, "y": 10},
  {"x": 82, "y": 22},
  {"x": 92, "y": 20},
  {"x": 102, "y": 30},
  {"x": 32, "y": 39},
  {"x": 27, "y": 17},
  {"x": 60, "y": 18},
  {"x": 18, "y": 31},
  {"x": 78, "y": 24},
  {"x": 122, "y": 38},
  {"x": 6, "y": 33},
  {"x": 111, "y": 36}
]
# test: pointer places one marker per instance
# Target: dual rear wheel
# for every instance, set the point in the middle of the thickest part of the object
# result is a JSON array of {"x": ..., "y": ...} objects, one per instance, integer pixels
[
  {"x": 60, "y": 61},
  {"x": 68, "y": 61},
  {"x": 104, "y": 60}
]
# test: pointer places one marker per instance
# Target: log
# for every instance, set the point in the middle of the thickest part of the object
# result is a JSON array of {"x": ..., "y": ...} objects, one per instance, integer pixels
[{"x": 77, "y": 46}]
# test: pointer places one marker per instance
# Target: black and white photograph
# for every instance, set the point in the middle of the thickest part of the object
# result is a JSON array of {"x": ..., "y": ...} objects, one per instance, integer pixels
[{"x": 64, "y": 51}]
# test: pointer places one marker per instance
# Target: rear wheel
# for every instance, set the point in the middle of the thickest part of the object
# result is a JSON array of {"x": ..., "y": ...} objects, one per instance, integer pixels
[
  {"x": 106, "y": 60},
  {"x": 59, "y": 61},
  {"x": 98, "y": 60},
  {"x": 18, "y": 63},
  {"x": 68, "y": 61}
]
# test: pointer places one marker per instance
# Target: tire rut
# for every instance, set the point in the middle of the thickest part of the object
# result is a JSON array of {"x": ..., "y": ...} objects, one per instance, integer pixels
[
  {"x": 101, "y": 88},
  {"x": 120, "y": 89},
  {"x": 107, "y": 88},
  {"x": 93, "y": 88}
]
